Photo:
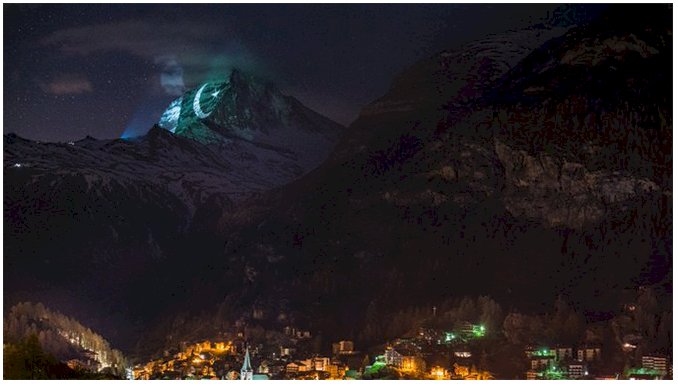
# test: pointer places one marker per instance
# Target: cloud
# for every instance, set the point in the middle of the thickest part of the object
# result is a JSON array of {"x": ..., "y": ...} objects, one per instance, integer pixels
[
  {"x": 171, "y": 75},
  {"x": 148, "y": 39},
  {"x": 185, "y": 52},
  {"x": 67, "y": 84}
]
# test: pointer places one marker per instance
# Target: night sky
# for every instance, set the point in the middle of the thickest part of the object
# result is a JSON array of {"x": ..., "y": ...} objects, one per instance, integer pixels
[{"x": 110, "y": 70}]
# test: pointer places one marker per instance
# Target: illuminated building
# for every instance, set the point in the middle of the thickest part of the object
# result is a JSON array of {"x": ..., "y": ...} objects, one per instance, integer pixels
[
  {"x": 393, "y": 357},
  {"x": 461, "y": 370},
  {"x": 343, "y": 347},
  {"x": 541, "y": 353},
  {"x": 440, "y": 373},
  {"x": 287, "y": 351},
  {"x": 466, "y": 373},
  {"x": 303, "y": 334},
  {"x": 272, "y": 368},
  {"x": 464, "y": 330},
  {"x": 321, "y": 363},
  {"x": 307, "y": 365},
  {"x": 478, "y": 330},
  {"x": 656, "y": 363},
  {"x": 77, "y": 364},
  {"x": 449, "y": 337},
  {"x": 628, "y": 347},
  {"x": 204, "y": 346},
  {"x": 263, "y": 367},
  {"x": 643, "y": 374},
  {"x": 430, "y": 335},
  {"x": 405, "y": 358},
  {"x": 538, "y": 364},
  {"x": 577, "y": 370},
  {"x": 540, "y": 358},
  {"x": 467, "y": 331},
  {"x": 552, "y": 373},
  {"x": 413, "y": 364},
  {"x": 588, "y": 353},
  {"x": 222, "y": 347},
  {"x": 295, "y": 367},
  {"x": 334, "y": 371},
  {"x": 563, "y": 353},
  {"x": 246, "y": 372},
  {"x": 480, "y": 375}
]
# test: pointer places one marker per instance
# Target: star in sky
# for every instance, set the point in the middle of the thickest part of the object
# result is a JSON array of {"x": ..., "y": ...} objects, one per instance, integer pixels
[{"x": 114, "y": 68}]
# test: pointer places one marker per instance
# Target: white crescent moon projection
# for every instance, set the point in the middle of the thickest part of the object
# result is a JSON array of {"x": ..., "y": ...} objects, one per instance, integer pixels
[{"x": 196, "y": 104}]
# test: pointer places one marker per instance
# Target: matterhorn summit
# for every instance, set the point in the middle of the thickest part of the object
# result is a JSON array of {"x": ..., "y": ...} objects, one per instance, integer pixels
[{"x": 242, "y": 112}]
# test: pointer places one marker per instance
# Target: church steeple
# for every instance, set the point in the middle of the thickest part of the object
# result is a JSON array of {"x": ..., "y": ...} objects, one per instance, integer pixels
[{"x": 246, "y": 372}]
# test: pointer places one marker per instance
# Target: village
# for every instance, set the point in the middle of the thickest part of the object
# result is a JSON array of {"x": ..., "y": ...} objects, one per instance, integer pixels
[
  {"x": 430, "y": 354},
  {"x": 407, "y": 358}
]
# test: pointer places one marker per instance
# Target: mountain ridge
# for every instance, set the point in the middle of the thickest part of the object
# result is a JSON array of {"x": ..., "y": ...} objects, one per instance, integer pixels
[
  {"x": 429, "y": 201},
  {"x": 399, "y": 183},
  {"x": 116, "y": 209}
]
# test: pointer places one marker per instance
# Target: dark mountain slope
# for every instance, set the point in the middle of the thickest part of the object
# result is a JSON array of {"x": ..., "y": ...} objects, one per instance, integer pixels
[
  {"x": 410, "y": 211},
  {"x": 110, "y": 223}
]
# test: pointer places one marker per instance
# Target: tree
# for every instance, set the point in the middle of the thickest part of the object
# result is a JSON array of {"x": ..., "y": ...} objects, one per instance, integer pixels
[
  {"x": 646, "y": 315},
  {"x": 565, "y": 325},
  {"x": 57, "y": 334},
  {"x": 27, "y": 360},
  {"x": 665, "y": 333},
  {"x": 523, "y": 329},
  {"x": 372, "y": 329},
  {"x": 366, "y": 362},
  {"x": 467, "y": 310},
  {"x": 317, "y": 343},
  {"x": 491, "y": 315}
]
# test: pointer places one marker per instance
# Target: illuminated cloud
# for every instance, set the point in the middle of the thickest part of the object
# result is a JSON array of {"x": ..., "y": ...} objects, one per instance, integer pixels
[
  {"x": 186, "y": 53},
  {"x": 68, "y": 84},
  {"x": 171, "y": 75}
]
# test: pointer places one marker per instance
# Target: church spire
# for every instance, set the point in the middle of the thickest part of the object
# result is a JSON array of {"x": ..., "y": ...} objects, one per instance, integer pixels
[{"x": 246, "y": 372}]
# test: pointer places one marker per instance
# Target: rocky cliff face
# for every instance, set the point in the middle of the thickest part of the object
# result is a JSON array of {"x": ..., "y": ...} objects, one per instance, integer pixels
[
  {"x": 588, "y": 122},
  {"x": 559, "y": 193},
  {"x": 545, "y": 166}
]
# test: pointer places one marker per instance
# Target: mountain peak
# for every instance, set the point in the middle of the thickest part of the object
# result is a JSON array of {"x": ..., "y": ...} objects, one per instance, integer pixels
[
  {"x": 241, "y": 109},
  {"x": 157, "y": 131},
  {"x": 237, "y": 107},
  {"x": 237, "y": 75}
]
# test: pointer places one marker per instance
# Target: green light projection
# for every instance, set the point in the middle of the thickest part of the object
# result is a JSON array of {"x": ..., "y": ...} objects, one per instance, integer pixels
[
  {"x": 170, "y": 118},
  {"x": 378, "y": 365},
  {"x": 478, "y": 330},
  {"x": 642, "y": 371},
  {"x": 186, "y": 114},
  {"x": 542, "y": 353},
  {"x": 215, "y": 112},
  {"x": 212, "y": 98},
  {"x": 553, "y": 373}
]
